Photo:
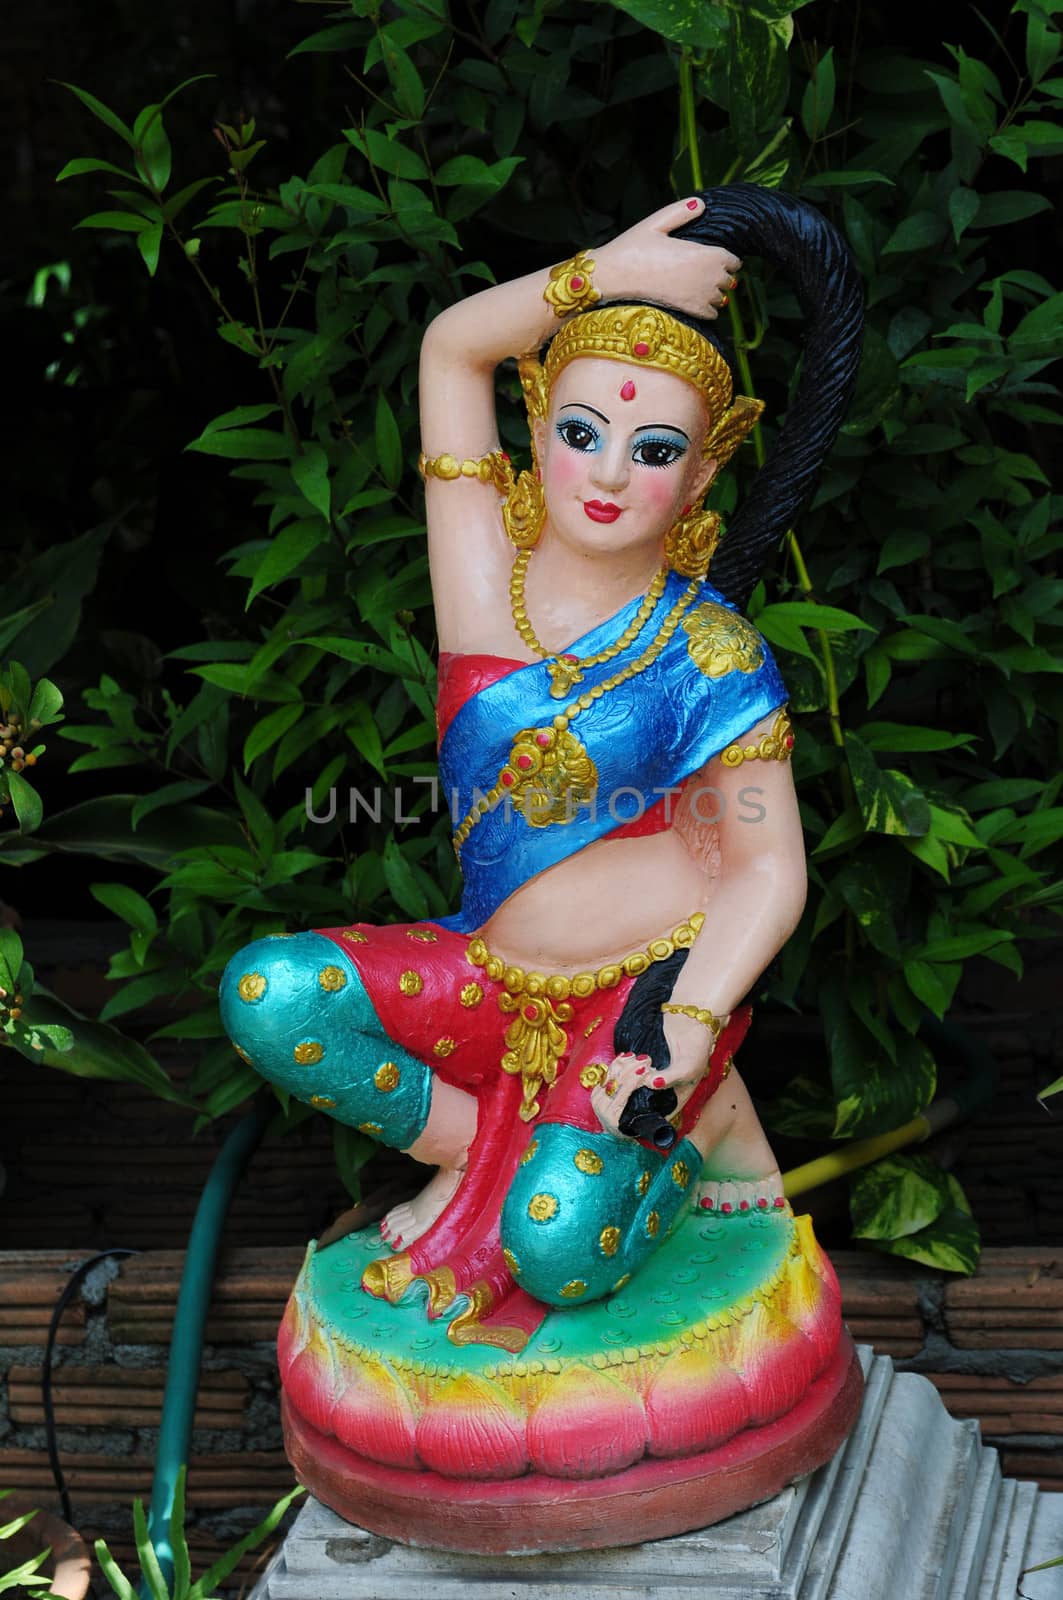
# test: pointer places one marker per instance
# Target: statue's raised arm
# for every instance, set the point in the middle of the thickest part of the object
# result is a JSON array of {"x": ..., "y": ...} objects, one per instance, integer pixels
[{"x": 603, "y": 1276}]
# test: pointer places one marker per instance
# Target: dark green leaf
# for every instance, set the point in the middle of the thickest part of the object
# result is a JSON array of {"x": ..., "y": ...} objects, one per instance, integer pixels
[
  {"x": 951, "y": 1243},
  {"x": 1010, "y": 205},
  {"x": 127, "y": 904},
  {"x": 350, "y": 196},
  {"x": 963, "y": 208},
  {"x": 809, "y": 614},
  {"x": 903, "y": 736},
  {"x": 889, "y": 801},
  {"x": 153, "y": 155},
  {"x": 98, "y": 1051},
  {"x": 471, "y": 170},
  {"x": 29, "y": 808},
  {"x": 388, "y": 154},
  {"x": 10, "y": 959},
  {"x": 406, "y": 891},
  {"x": 817, "y": 103},
  {"x": 934, "y": 983},
  {"x": 920, "y": 231},
  {"x": 310, "y": 469},
  {"x": 352, "y": 1150},
  {"x": 102, "y": 112},
  {"x": 898, "y": 1195},
  {"x": 690, "y": 23},
  {"x": 248, "y": 444},
  {"x": 169, "y": 795},
  {"x": 388, "y": 440},
  {"x": 45, "y": 703},
  {"x": 238, "y": 418},
  {"x": 342, "y": 36},
  {"x": 83, "y": 164},
  {"x": 120, "y": 221},
  {"x": 264, "y": 734},
  {"x": 149, "y": 243},
  {"x": 843, "y": 179}
]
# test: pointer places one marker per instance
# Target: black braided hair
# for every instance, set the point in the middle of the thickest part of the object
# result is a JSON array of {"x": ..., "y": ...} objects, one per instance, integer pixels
[{"x": 791, "y": 234}]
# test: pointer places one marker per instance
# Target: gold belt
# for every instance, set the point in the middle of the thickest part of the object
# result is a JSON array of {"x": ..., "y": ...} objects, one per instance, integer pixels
[
  {"x": 536, "y": 1039},
  {"x": 556, "y": 987}
]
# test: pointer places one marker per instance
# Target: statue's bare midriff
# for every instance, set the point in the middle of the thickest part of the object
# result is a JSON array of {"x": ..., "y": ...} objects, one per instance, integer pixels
[{"x": 598, "y": 906}]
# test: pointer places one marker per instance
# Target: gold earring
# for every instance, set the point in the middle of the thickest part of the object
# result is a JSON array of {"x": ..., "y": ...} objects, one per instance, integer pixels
[
  {"x": 690, "y": 543},
  {"x": 524, "y": 511}
]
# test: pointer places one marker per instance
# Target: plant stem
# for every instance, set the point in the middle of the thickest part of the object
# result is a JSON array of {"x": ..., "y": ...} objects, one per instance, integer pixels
[{"x": 687, "y": 120}]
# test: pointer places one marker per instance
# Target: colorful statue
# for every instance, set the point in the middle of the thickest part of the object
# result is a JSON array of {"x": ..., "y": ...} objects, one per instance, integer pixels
[{"x": 600, "y": 1321}]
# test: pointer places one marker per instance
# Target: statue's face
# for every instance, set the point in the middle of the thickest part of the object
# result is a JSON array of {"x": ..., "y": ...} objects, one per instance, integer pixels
[{"x": 620, "y": 452}]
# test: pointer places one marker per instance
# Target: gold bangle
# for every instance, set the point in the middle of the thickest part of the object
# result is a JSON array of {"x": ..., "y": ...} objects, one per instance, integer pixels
[
  {"x": 570, "y": 287},
  {"x": 493, "y": 468},
  {"x": 702, "y": 1014},
  {"x": 775, "y": 745}
]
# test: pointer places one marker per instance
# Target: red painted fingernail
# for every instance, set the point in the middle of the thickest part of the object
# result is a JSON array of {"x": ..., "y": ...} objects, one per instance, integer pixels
[
  {"x": 692, "y": 205},
  {"x": 639, "y": 1071},
  {"x": 658, "y": 1083},
  {"x": 642, "y": 1058},
  {"x": 725, "y": 299}
]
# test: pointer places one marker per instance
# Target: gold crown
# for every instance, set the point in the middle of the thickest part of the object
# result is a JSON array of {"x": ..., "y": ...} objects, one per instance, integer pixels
[{"x": 646, "y": 336}]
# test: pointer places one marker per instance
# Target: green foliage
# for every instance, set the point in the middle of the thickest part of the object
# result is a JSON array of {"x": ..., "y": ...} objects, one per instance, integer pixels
[
  {"x": 908, "y": 1207},
  {"x": 27, "y": 1577},
  {"x": 916, "y": 613},
  {"x": 151, "y": 1578},
  {"x": 25, "y": 708}
]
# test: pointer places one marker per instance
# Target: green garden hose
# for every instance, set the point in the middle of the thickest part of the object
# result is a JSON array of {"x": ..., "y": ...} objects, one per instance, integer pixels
[{"x": 190, "y": 1321}]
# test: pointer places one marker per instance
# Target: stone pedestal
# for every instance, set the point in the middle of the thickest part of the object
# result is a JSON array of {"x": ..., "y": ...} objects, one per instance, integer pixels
[{"x": 913, "y": 1507}]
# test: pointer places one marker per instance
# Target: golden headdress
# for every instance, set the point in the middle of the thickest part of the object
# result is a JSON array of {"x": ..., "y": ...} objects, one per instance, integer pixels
[{"x": 646, "y": 336}]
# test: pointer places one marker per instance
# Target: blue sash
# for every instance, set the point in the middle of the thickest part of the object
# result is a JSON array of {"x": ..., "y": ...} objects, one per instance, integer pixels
[{"x": 712, "y": 682}]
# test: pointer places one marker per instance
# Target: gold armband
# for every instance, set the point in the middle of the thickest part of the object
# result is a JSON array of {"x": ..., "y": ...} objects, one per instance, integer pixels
[
  {"x": 702, "y": 1014},
  {"x": 570, "y": 287},
  {"x": 493, "y": 468},
  {"x": 775, "y": 745}
]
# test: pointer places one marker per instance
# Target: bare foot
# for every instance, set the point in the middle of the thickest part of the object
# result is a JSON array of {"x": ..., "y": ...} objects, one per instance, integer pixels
[
  {"x": 405, "y": 1223},
  {"x": 724, "y": 1196}
]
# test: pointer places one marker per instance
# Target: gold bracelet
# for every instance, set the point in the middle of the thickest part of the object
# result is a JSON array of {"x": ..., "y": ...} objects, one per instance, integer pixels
[
  {"x": 493, "y": 468},
  {"x": 701, "y": 1014},
  {"x": 775, "y": 745},
  {"x": 570, "y": 287}
]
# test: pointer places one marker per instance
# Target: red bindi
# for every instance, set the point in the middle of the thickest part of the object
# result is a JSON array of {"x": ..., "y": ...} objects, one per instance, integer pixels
[{"x": 628, "y": 392}]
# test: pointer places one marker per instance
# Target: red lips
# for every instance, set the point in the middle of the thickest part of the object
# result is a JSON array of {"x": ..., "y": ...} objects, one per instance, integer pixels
[{"x": 602, "y": 510}]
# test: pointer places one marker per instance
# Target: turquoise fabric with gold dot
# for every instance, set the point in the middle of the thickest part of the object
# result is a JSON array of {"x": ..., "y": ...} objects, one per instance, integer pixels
[
  {"x": 295, "y": 1007},
  {"x": 585, "y": 1210}
]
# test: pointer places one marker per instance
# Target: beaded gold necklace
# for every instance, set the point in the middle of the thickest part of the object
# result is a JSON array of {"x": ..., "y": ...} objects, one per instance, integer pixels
[
  {"x": 566, "y": 670},
  {"x": 549, "y": 774}
]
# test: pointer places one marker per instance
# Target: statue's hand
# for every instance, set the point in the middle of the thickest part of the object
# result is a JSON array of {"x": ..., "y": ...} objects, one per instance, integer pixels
[
  {"x": 647, "y": 264},
  {"x": 608, "y": 1099}
]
